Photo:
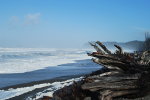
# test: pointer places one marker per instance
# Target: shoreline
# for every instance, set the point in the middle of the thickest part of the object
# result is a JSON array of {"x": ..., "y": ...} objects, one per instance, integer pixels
[
  {"x": 50, "y": 78},
  {"x": 77, "y": 68},
  {"x": 37, "y": 90},
  {"x": 62, "y": 78}
]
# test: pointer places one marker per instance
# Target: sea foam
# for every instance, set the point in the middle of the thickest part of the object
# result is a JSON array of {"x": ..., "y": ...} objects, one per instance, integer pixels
[
  {"x": 10, "y": 93},
  {"x": 20, "y": 60}
]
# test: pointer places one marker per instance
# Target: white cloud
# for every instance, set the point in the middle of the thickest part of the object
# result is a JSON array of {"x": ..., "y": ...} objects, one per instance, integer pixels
[
  {"x": 29, "y": 19},
  {"x": 32, "y": 18}
]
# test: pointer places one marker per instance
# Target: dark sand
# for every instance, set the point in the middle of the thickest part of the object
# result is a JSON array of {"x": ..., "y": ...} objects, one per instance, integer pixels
[{"x": 31, "y": 93}]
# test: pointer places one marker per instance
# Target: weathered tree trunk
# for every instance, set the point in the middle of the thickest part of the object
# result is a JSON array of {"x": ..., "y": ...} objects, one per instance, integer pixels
[
  {"x": 124, "y": 75},
  {"x": 127, "y": 71}
]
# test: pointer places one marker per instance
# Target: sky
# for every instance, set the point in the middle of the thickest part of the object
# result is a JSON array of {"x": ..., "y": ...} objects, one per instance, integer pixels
[{"x": 71, "y": 23}]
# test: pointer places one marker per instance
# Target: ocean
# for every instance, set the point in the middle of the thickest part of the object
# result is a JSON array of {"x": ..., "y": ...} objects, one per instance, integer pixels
[{"x": 36, "y": 65}]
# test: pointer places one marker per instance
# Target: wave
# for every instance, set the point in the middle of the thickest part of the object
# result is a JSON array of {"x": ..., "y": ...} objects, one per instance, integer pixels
[{"x": 20, "y": 60}]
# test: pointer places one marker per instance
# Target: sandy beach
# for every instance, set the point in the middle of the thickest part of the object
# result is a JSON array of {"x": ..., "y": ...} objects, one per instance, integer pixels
[
  {"x": 33, "y": 93},
  {"x": 18, "y": 86}
]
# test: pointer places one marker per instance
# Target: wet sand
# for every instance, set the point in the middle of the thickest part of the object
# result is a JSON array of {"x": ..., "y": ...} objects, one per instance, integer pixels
[
  {"x": 32, "y": 93},
  {"x": 57, "y": 79}
]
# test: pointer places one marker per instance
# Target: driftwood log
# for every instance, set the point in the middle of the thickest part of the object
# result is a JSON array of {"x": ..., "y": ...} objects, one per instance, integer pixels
[{"x": 124, "y": 75}]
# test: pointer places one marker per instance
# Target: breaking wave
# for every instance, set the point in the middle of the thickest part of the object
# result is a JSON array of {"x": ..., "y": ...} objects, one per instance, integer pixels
[{"x": 20, "y": 60}]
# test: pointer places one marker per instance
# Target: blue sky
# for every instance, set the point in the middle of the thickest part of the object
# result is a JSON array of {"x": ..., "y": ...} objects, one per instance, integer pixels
[{"x": 71, "y": 23}]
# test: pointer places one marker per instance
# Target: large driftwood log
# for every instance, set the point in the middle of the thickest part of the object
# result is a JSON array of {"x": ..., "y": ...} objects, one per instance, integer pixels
[
  {"x": 108, "y": 95},
  {"x": 127, "y": 72},
  {"x": 123, "y": 74}
]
